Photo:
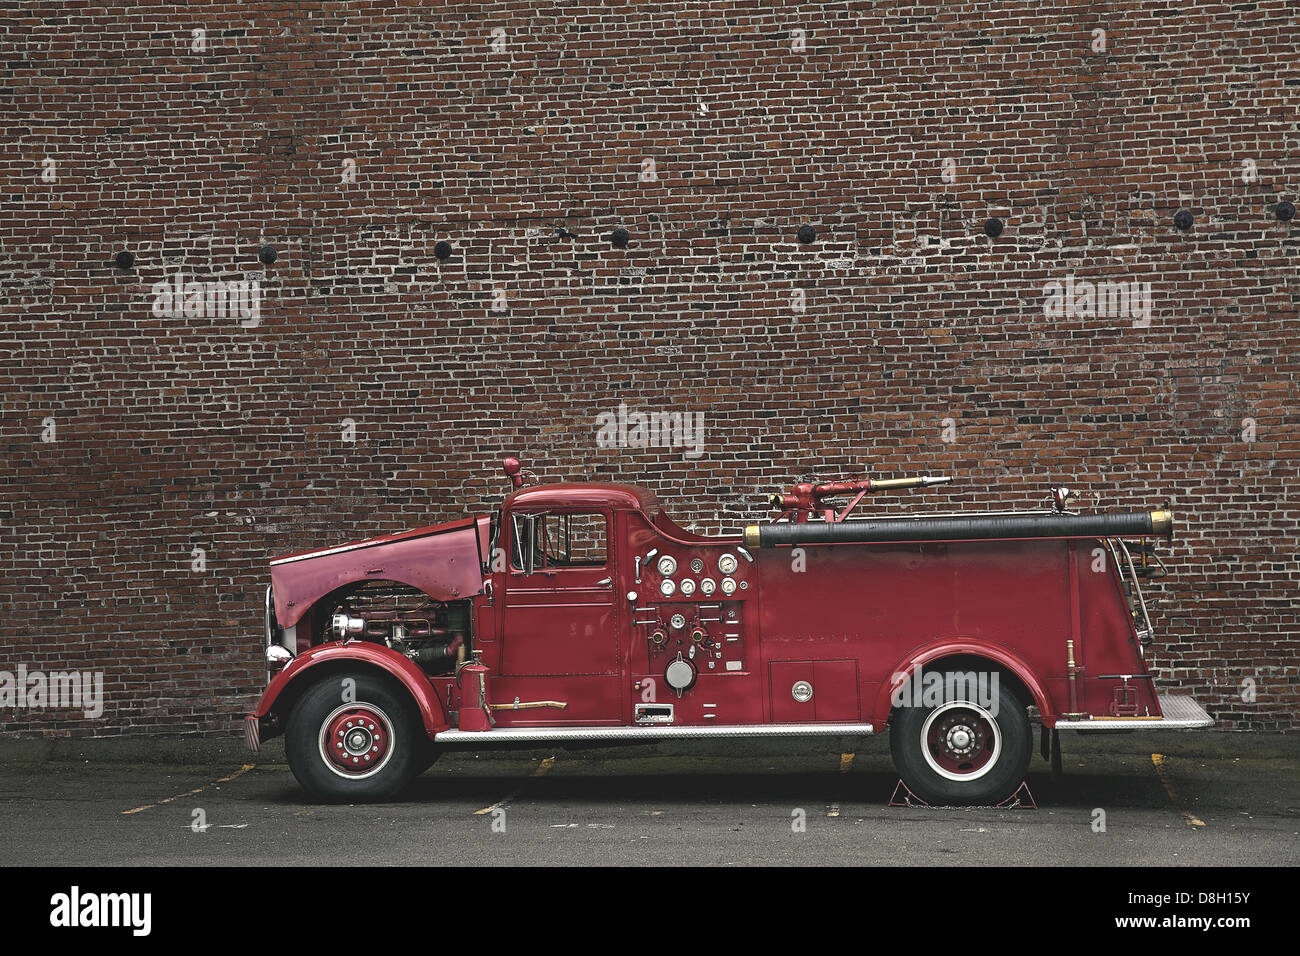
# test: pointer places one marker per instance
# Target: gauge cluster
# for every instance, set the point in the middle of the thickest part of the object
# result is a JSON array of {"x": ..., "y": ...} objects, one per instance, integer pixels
[{"x": 721, "y": 575}]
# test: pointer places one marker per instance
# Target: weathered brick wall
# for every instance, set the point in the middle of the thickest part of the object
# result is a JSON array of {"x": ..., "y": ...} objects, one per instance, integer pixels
[{"x": 353, "y": 138}]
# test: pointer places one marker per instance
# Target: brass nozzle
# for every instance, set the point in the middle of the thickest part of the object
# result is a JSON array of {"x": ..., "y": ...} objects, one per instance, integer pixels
[
  {"x": 751, "y": 536},
  {"x": 1162, "y": 522},
  {"x": 887, "y": 484}
]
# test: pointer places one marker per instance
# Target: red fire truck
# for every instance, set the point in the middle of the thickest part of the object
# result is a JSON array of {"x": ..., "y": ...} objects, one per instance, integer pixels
[{"x": 581, "y": 614}]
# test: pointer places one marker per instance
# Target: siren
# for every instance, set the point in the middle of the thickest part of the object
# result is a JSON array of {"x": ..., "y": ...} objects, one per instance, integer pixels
[{"x": 512, "y": 468}]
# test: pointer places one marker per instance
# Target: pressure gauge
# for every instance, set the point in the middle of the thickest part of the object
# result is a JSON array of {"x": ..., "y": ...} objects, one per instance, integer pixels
[
  {"x": 678, "y": 621},
  {"x": 728, "y": 585},
  {"x": 667, "y": 565},
  {"x": 688, "y": 587},
  {"x": 727, "y": 564},
  {"x": 708, "y": 586},
  {"x": 697, "y": 565},
  {"x": 667, "y": 586}
]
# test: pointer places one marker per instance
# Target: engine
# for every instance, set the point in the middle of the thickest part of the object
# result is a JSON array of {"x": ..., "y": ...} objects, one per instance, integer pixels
[{"x": 431, "y": 633}]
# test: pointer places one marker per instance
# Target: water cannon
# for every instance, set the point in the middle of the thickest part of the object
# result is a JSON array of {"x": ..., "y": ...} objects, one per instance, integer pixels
[{"x": 806, "y": 497}]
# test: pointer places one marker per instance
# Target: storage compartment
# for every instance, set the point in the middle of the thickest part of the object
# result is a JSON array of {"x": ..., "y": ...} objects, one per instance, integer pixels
[{"x": 810, "y": 691}]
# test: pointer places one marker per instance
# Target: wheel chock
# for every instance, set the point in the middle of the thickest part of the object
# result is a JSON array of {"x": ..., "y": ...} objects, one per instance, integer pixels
[{"x": 1022, "y": 799}]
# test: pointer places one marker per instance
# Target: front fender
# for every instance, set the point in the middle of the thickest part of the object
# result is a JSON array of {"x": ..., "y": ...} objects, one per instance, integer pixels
[
  {"x": 338, "y": 656},
  {"x": 929, "y": 653}
]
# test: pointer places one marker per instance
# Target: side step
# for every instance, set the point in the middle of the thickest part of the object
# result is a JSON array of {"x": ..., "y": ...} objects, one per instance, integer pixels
[
  {"x": 561, "y": 734},
  {"x": 1180, "y": 713}
]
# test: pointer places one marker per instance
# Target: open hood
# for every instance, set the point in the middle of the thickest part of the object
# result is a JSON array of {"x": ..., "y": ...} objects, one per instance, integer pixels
[{"x": 445, "y": 561}]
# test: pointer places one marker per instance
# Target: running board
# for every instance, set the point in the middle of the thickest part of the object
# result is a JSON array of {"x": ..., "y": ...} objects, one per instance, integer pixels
[
  {"x": 1180, "y": 713},
  {"x": 562, "y": 734}
]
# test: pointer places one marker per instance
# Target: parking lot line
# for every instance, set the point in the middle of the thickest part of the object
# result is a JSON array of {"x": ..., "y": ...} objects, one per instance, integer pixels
[
  {"x": 149, "y": 806},
  {"x": 846, "y": 761},
  {"x": 1190, "y": 819},
  {"x": 542, "y": 767}
]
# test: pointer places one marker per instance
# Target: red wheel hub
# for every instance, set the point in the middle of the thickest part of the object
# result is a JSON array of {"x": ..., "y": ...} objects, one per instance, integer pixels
[
  {"x": 962, "y": 741},
  {"x": 356, "y": 739}
]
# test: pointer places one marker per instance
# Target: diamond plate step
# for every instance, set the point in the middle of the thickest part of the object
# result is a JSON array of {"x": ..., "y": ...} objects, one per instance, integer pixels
[{"x": 1180, "y": 713}]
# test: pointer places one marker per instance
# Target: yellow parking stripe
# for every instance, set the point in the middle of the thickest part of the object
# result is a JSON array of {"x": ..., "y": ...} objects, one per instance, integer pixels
[
  {"x": 542, "y": 767},
  {"x": 846, "y": 761},
  {"x": 1162, "y": 773},
  {"x": 149, "y": 806}
]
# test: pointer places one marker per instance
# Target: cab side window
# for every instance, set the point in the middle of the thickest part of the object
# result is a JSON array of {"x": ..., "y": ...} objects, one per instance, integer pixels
[{"x": 558, "y": 540}]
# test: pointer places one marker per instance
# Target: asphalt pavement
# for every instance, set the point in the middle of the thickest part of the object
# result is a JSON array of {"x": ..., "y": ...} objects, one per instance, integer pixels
[{"x": 1183, "y": 799}]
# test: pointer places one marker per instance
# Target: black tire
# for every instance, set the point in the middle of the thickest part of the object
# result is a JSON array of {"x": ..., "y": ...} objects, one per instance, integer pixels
[
  {"x": 377, "y": 739},
  {"x": 956, "y": 752},
  {"x": 429, "y": 755}
]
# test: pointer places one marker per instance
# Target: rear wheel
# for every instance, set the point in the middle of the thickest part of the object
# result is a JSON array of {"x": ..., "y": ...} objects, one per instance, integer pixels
[
  {"x": 960, "y": 750},
  {"x": 355, "y": 738}
]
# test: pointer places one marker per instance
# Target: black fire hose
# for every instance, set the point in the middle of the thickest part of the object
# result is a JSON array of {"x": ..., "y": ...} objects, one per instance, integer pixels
[{"x": 1137, "y": 524}]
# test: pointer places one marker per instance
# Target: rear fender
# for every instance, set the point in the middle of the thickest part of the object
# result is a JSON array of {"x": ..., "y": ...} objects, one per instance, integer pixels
[
  {"x": 339, "y": 657},
  {"x": 1004, "y": 659}
]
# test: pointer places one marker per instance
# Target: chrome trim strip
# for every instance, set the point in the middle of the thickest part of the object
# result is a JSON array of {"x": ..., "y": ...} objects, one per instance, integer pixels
[
  {"x": 268, "y": 618},
  {"x": 1180, "y": 713},
  {"x": 561, "y": 734}
]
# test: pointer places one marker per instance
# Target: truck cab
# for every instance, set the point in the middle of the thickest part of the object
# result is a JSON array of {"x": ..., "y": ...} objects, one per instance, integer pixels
[{"x": 598, "y": 598}]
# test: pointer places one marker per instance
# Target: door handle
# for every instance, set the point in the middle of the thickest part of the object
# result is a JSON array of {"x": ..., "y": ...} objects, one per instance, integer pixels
[{"x": 604, "y": 582}]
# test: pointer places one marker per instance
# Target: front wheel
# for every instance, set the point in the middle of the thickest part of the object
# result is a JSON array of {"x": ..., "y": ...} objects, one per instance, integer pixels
[
  {"x": 965, "y": 747},
  {"x": 354, "y": 738}
]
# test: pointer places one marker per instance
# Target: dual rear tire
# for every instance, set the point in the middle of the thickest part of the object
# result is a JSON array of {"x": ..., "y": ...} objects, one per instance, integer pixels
[{"x": 960, "y": 750}]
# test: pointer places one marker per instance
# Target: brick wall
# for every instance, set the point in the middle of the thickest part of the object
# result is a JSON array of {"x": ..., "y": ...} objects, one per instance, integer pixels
[{"x": 350, "y": 139}]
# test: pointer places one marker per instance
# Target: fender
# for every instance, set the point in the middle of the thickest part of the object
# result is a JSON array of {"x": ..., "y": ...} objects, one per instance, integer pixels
[
  {"x": 432, "y": 712},
  {"x": 905, "y": 668}
]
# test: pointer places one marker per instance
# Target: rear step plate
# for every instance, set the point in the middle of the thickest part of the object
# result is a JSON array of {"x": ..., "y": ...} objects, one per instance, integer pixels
[{"x": 1180, "y": 713}]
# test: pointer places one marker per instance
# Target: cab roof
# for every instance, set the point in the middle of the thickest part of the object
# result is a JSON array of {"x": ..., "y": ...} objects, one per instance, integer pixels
[{"x": 585, "y": 494}]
